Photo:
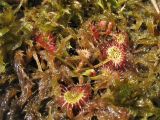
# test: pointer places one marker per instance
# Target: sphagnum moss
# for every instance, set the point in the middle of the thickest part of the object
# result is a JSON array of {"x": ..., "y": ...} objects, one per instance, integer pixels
[{"x": 81, "y": 60}]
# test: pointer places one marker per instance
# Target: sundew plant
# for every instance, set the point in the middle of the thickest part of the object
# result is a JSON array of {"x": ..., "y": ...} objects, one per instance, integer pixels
[{"x": 79, "y": 60}]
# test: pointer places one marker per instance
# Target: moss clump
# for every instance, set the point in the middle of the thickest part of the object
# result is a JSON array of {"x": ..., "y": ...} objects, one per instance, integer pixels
[{"x": 33, "y": 71}]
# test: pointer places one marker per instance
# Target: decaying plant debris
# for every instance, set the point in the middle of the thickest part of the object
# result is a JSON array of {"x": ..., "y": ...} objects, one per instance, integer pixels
[{"x": 79, "y": 60}]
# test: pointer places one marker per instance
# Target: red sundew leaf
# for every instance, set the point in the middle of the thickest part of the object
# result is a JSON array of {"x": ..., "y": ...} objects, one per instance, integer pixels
[
  {"x": 47, "y": 41},
  {"x": 109, "y": 28},
  {"x": 95, "y": 32},
  {"x": 74, "y": 97},
  {"x": 93, "y": 73},
  {"x": 115, "y": 53},
  {"x": 121, "y": 38},
  {"x": 102, "y": 24}
]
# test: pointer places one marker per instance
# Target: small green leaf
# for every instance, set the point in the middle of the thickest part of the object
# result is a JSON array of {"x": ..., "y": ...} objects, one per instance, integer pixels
[
  {"x": 101, "y": 4},
  {"x": 113, "y": 3},
  {"x": 7, "y": 17},
  {"x": 3, "y": 31},
  {"x": 4, "y": 4},
  {"x": 2, "y": 64}
]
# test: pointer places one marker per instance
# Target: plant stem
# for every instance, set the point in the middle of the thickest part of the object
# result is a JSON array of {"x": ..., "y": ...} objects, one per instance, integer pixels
[
  {"x": 101, "y": 63},
  {"x": 63, "y": 61}
]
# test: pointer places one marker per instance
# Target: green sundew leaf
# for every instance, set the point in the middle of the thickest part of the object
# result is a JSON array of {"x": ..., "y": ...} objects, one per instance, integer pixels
[
  {"x": 3, "y": 31},
  {"x": 88, "y": 72}
]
